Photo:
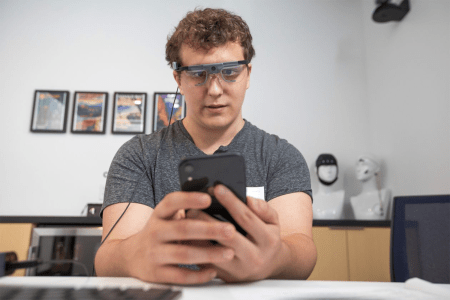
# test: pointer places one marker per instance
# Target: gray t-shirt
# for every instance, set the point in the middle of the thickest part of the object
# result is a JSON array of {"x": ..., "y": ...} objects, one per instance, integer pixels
[{"x": 145, "y": 169}]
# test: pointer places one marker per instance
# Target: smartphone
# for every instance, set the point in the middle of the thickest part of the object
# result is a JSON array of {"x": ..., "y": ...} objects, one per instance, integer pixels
[{"x": 198, "y": 173}]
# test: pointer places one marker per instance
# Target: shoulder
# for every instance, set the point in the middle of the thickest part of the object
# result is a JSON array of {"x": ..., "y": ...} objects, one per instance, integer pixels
[
  {"x": 271, "y": 144},
  {"x": 143, "y": 145},
  {"x": 257, "y": 135}
]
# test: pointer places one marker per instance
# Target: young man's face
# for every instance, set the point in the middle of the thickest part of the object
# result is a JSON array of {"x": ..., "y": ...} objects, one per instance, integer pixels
[{"x": 216, "y": 104}]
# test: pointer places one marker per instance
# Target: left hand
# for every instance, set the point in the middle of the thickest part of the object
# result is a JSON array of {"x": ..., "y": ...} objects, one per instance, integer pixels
[{"x": 259, "y": 255}]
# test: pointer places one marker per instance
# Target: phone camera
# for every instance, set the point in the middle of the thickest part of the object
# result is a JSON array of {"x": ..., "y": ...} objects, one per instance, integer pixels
[{"x": 189, "y": 169}]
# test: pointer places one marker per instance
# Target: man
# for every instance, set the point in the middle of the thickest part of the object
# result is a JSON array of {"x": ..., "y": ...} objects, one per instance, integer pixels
[{"x": 154, "y": 237}]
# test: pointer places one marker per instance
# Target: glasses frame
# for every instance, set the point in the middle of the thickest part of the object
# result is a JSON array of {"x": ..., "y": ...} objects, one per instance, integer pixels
[{"x": 210, "y": 68}]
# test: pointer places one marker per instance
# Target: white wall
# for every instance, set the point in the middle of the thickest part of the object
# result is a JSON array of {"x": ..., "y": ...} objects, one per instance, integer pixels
[
  {"x": 408, "y": 75},
  {"x": 316, "y": 81}
]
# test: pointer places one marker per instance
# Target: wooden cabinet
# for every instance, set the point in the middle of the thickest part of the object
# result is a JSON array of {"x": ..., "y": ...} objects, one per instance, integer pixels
[
  {"x": 16, "y": 237},
  {"x": 344, "y": 253},
  {"x": 16, "y": 231},
  {"x": 368, "y": 254},
  {"x": 352, "y": 253},
  {"x": 332, "y": 254}
]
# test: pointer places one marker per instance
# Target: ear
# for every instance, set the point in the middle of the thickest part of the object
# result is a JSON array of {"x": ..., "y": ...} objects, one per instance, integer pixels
[
  {"x": 177, "y": 78},
  {"x": 249, "y": 69}
]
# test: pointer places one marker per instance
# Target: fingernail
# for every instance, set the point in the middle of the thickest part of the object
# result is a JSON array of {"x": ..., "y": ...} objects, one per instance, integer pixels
[
  {"x": 203, "y": 199},
  {"x": 221, "y": 190}
]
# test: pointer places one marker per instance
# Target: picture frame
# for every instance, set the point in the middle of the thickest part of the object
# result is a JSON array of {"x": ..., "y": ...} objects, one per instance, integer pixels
[
  {"x": 89, "y": 112},
  {"x": 162, "y": 106},
  {"x": 129, "y": 113},
  {"x": 49, "y": 112}
]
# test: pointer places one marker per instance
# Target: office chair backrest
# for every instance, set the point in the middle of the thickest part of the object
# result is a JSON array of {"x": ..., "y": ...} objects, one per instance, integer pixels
[{"x": 420, "y": 238}]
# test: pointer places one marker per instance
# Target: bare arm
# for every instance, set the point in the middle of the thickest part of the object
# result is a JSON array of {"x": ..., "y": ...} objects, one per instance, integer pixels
[
  {"x": 132, "y": 222},
  {"x": 295, "y": 217}
]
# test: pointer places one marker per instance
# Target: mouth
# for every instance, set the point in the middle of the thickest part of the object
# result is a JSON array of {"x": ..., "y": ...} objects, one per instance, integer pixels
[{"x": 216, "y": 107}]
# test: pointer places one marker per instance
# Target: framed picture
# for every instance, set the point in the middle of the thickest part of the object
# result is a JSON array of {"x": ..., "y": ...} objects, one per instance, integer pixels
[
  {"x": 129, "y": 113},
  {"x": 49, "y": 111},
  {"x": 89, "y": 112},
  {"x": 163, "y": 105}
]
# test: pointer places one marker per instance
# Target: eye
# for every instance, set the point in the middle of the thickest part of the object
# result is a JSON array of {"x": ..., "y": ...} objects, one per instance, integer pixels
[
  {"x": 196, "y": 74},
  {"x": 231, "y": 71}
]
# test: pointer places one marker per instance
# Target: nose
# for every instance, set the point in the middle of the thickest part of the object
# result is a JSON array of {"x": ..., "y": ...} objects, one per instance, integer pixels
[{"x": 215, "y": 85}]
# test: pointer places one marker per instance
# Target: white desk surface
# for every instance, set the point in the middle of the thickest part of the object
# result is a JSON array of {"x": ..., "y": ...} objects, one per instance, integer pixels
[{"x": 261, "y": 290}]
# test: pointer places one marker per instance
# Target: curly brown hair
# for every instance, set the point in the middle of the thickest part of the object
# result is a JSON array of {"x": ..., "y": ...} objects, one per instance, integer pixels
[{"x": 206, "y": 29}]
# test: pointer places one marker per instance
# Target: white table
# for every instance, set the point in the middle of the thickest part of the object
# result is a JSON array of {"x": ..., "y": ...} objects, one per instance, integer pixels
[{"x": 261, "y": 290}]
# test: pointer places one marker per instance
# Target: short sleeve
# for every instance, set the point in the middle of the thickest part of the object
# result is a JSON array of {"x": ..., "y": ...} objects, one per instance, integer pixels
[
  {"x": 288, "y": 172},
  {"x": 129, "y": 179}
]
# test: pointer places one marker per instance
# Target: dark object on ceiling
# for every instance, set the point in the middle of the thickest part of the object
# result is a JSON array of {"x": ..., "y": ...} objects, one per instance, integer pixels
[{"x": 387, "y": 11}]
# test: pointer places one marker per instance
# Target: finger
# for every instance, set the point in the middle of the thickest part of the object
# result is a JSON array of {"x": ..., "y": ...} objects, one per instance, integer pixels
[
  {"x": 237, "y": 242},
  {"x": 197, "y": 243},
  {"x": 193, "y": 229},
  {"x": 211, "y": 190},
  {"x": 191, "y": 254},
  {"x": 181, "y": 214},
  {"x": 200, "y": 215},
  {"x": 226, "y": 275},
  {"x": 177, "y": 275},
  {"x": 175, "y": 201},
  {"x": 263, "y": 210},
  {"x": 240, "y": 212}
]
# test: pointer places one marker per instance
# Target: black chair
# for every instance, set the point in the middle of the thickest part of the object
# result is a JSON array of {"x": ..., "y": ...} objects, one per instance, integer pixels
[{"x": 420, "y": 238}]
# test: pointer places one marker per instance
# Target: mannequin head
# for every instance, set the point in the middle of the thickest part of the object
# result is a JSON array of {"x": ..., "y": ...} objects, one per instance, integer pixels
[
  {"x": 367, "y": 167},
  {"x": 327, "y": 169}
]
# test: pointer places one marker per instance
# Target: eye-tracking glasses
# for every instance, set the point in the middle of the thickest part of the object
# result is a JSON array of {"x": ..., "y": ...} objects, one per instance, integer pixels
[{"x": 197, "y": 75}]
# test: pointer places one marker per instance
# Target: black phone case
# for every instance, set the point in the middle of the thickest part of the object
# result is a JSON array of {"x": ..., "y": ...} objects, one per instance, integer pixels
[{"x": 201, "y": 172}]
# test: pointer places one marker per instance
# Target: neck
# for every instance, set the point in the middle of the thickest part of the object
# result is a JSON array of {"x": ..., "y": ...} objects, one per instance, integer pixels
[
  {"x": 210, "y": 139},
  {"x": 370, "y": 185},
  {"x": 326, "y": 189}
]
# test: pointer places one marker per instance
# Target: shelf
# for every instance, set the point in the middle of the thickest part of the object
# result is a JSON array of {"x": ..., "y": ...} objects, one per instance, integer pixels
[
  {"x": 351, "y": 223},
  {"x": 97, "y": 221},
  {"x": 54, "y": 221}
]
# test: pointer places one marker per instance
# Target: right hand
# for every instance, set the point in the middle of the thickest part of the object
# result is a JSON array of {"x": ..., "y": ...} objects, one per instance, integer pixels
[{"x": 169, "y": 239}]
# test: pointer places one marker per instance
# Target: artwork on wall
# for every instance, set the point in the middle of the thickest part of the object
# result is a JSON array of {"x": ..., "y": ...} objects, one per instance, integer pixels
[
  {"x": 164, "y": 105},
  {"x": 89, "y": 112},
  {"x": 129, "y": 113},
  {"x": 49, "y": 111}
]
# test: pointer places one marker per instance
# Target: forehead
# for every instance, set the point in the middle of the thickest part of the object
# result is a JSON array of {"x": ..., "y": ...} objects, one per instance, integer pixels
[
  {"x": 327, "y": 167},
  {"x": 366, "y": 162},
  {"x": 229, "y": 52}
]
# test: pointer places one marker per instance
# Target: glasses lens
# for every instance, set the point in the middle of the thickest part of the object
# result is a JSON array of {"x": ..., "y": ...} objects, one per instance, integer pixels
[
  {"x": 233, "y": 74},
  {"x": 195, "y": 78},
  {"x": 228, "y": 74}
]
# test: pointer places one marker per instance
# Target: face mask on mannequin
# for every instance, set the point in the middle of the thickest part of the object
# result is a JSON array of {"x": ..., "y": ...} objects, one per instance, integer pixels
[
  {"x": 366, "y": 168},
  {"x": 327, "y": 169}
]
